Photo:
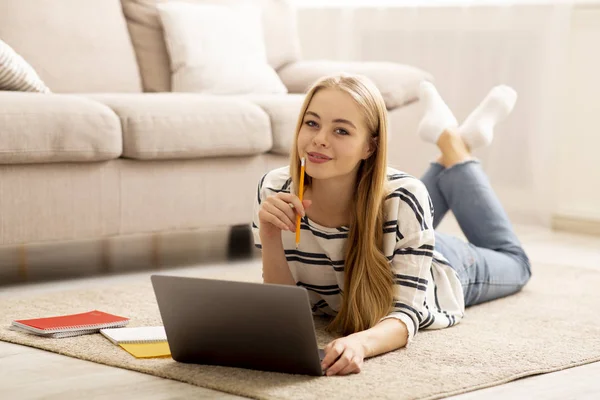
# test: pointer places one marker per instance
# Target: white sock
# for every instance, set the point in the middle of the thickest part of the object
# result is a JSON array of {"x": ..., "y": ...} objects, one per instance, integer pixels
[
  {"x": 478, "y": 129},
  {"x": 437, "y": 117}
]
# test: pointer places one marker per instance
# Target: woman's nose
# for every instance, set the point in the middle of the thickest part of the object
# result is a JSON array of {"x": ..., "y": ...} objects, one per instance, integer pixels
[{"x": 320, "y": 137}]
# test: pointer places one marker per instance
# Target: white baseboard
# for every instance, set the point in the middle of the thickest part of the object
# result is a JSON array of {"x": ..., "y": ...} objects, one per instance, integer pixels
[{"x": 572, "y": 224}]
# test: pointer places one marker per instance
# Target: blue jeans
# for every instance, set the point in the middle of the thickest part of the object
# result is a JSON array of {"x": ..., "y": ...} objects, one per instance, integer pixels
[{"x": 492, "y": 264}]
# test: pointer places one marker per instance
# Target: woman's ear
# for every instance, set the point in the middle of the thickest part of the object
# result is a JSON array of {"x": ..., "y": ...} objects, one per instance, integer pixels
[{"x": 373, "y": 142}]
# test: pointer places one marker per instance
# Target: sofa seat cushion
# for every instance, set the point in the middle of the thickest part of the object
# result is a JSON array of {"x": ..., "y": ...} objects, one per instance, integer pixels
[
  {"x": 160, "y": 126},
  {"x": 283, "y": 111},
  {"x": 44, "y": 128}
]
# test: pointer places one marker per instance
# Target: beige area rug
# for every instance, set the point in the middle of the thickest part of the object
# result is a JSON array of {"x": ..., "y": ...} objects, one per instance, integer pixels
[{"x": 549, "y": 326}]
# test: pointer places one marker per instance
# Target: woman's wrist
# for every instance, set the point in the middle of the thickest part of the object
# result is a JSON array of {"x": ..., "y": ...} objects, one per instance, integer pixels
[
  {"x": 271, "y": 240},
  {"x": 388, "y": 335},
  {"x": 364, "y": 339}
]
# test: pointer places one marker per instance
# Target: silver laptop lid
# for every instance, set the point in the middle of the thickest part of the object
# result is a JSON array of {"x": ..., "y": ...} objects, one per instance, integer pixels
[{"x": 239, "y": 324}]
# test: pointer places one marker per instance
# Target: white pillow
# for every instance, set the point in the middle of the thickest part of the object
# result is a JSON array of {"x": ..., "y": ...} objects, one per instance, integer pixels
[
  {"x": 217, "y": 49},
  {"x": 16, "y": 74}
]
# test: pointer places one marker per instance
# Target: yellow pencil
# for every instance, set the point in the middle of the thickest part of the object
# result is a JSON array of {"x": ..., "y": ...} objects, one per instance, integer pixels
[{"x": 300, "y": 196}]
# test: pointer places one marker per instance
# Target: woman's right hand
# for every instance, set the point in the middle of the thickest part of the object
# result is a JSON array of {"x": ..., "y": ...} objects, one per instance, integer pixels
[{"x": 275, "y": 214}]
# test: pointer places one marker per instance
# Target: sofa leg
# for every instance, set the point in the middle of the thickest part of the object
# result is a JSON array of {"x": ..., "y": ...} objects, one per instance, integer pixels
[
  {"x": 23, "y": 264},
  {"x": 240, "y": 243}
]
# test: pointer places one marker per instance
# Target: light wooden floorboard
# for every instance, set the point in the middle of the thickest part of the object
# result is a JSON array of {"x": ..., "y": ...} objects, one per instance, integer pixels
[
  {"x": 27, "y": 373},
  {"x": 579, "y": 383}
]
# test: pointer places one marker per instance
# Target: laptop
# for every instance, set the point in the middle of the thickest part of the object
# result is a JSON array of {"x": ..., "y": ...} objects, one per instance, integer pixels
[{"x": 238, "y": 324}]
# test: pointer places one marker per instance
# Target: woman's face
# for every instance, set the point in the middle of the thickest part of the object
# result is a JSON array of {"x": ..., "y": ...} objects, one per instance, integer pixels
[{"x": 333, "y": 127}]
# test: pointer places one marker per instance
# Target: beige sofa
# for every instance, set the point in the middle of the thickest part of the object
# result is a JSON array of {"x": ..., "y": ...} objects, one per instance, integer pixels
[{"x": 112, "y": 153}]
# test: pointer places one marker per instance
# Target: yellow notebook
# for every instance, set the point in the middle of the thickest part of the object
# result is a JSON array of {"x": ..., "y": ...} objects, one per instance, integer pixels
[{"x": 147, "y": 350}]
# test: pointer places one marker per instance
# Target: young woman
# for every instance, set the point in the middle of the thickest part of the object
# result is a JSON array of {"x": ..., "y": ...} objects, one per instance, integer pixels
[{"x": 368, "y": 254}]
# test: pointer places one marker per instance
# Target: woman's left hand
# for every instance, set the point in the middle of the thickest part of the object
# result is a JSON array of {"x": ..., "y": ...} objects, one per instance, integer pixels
[{"x": 344, "y": 356}]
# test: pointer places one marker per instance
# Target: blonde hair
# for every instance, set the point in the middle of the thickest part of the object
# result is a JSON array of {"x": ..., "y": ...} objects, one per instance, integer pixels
[{"x": 368, "y": 280}]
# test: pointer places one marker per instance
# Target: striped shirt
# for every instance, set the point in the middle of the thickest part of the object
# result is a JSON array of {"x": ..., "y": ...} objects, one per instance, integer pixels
[{"x": 427, "y": 292}]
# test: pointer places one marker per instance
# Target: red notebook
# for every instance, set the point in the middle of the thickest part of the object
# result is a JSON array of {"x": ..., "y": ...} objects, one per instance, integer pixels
[{"x": 93, "y": 320}]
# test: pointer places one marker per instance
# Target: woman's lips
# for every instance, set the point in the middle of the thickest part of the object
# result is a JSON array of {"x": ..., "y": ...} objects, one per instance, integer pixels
[{"x": 317, "y": 160}]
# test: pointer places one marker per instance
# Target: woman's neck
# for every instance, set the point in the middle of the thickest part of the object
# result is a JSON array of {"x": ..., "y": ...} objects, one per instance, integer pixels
[{"x": 331, "y": 200}]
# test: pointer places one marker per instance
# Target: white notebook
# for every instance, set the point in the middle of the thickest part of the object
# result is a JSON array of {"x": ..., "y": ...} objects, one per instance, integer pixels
[{"x": 143, "y": 334}]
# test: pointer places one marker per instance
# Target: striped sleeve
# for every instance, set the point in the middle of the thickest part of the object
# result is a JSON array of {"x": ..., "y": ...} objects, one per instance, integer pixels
[
  {"x": 271, "y": 183},
  {"x": 258, "y": 199},
  {"x": 413, "y": 253}
]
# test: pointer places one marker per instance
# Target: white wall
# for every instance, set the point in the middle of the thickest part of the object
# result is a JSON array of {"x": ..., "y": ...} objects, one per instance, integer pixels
[
  {"x": 578, "y": 178},
  {"x": 470, "y": 49}
]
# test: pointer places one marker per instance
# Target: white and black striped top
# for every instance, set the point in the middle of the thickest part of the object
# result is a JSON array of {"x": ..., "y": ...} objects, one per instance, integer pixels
[{"x": 428, "y": 294}]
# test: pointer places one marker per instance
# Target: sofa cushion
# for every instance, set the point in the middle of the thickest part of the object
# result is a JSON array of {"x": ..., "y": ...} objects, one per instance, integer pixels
[
  {"x": 74, "y": 45},
  {"x": 183, "y": 125},
  {"x": 398, "y": 83},
  {"x": 43, "y": 128},
  {"x": 16, "y": 74},
  {"x": 283, "y": 111},
  {"x": 279, "y": 26},
  {"x": 217, "y": 49}
]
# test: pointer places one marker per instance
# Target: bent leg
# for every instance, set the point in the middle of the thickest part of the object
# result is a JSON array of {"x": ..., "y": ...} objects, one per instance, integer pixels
[
  {"x": 477, "y": 209},
  {"x": 484, "y": 274},
  {"x": 440, "y": 207}
]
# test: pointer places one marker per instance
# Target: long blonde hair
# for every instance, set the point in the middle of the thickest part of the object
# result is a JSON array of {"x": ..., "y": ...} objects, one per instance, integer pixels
[{"x": 368, "y": 280}]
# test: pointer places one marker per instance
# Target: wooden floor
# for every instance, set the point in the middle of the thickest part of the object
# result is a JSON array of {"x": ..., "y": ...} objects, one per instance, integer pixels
[{"x": 28, "y": 373}]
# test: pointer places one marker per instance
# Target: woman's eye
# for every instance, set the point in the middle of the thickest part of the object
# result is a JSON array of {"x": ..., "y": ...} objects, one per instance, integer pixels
[
  {"x": 342, "y": 131},
  {"x": 311, "y": 123}
]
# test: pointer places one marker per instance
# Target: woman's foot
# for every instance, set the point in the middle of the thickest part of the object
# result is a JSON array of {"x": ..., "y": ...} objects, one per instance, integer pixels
[
  {"x": 478, "y": 129},
  {"x": 453, "y": 147},
  {"x": 437, "y": 116}
]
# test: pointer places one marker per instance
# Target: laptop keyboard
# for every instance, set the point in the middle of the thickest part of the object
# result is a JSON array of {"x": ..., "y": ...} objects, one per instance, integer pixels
[{"x": 321, "y": 354}]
